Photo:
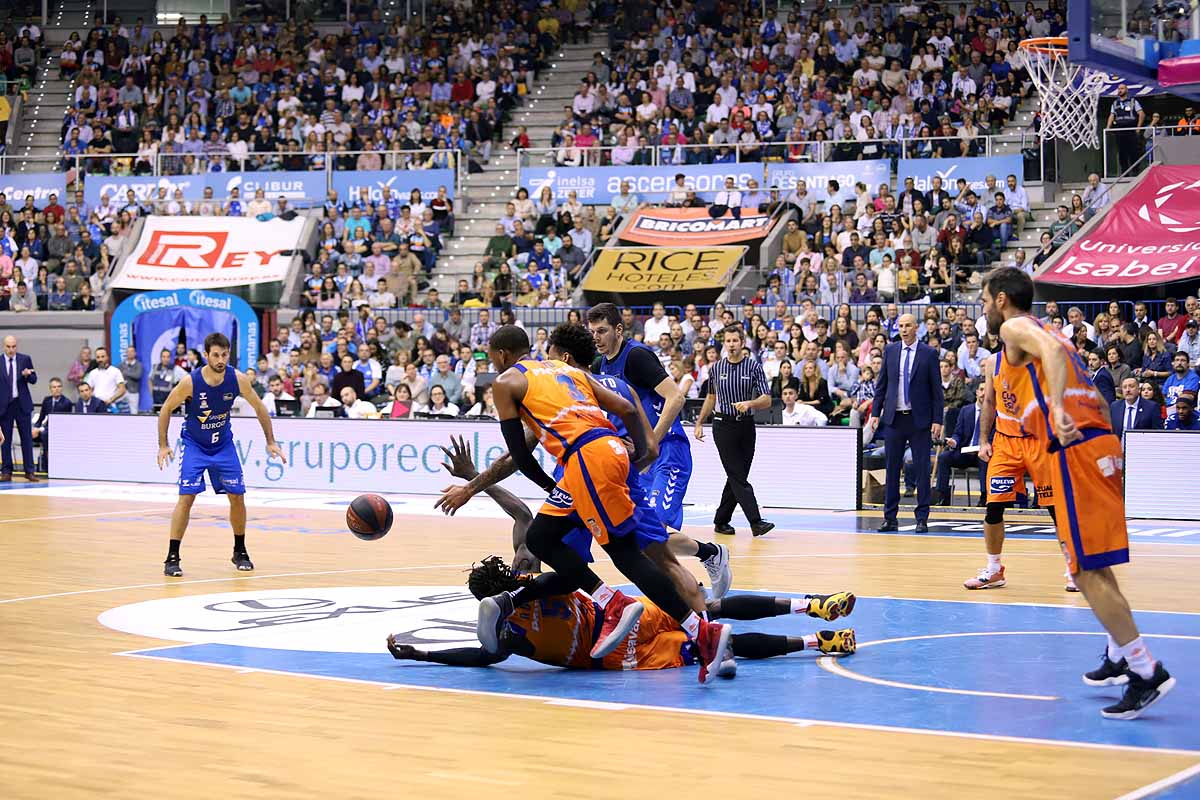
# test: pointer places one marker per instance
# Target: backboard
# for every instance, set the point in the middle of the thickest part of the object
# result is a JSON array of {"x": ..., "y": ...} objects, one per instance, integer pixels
[{"x": 1129, "y": 38}]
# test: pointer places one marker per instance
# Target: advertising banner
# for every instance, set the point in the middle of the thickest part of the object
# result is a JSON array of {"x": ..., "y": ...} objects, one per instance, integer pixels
[
  {"x": 974, "y": 170},
  {"x": 692, "y": 227},
  {"x": 209, "y": 252},
  {"x": 816, "y": 177},
  {"x": 39, "y": 184},
  {"x": 628, "y": 275},
  {"x": 405, "y": 456},
  {"x": 599, "y": 185},
  {"x": 349, "y": 185},
  {"x": 294, "y": 186},
  {"x": 1149, "y": 236}
]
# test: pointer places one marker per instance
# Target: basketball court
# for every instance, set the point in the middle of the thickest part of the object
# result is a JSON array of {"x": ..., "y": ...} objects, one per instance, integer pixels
[{"x": 277, "y": 683}]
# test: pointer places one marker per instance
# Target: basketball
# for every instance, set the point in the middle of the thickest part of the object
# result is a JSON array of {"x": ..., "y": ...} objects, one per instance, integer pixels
[{"x": 369, "y": 517}]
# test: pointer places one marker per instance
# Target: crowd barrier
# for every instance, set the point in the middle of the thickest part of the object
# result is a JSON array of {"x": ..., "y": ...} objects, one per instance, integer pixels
[
  {"x": 1157, "y": 483},
  {"x": 814, "y": 468}
]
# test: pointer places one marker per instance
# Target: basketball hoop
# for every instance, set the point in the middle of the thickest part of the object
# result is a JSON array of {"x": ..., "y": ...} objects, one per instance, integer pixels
[{"x": 1069, "y": 92}]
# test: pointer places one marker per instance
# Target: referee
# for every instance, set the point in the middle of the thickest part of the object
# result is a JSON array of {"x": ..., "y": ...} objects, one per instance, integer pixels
[{"x": 737, "y": 386}]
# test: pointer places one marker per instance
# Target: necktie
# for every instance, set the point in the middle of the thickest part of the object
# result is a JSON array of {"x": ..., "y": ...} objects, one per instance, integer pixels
[
  {"x": 904, "y": 379},
  {"x": 1129, "y": 412},
  {"x": 975, "y": 435},
  {"x": 12, "y": 372}
]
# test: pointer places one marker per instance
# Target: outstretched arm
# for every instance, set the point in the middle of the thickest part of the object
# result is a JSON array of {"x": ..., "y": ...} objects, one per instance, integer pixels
[{"x": 454, "y": 657}]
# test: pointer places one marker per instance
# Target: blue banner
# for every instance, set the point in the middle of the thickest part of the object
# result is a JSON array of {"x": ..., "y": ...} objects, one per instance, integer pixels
[
  {"x": 39, "y": 184},
  {"x": 816, "y": 177},
  {"x": 292, "y": 185},
  {"x": 974, "y": 170},
  {"x": 349, "y": 185},
  {"x": 599, "y": 185},
  {"x": 151, "y": 321}
]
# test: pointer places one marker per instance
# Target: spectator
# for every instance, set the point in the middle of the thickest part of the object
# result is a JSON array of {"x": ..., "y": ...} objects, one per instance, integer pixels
[
  {"x": 438, "y": 405},
  {"x": 1156, "y": 362},
  {"x": 1101, "y": 377},
  {"x": 449, "y": 382},
  {"x": 321, "y": 399},
  {"x": 1182, "y": 379},
  {"x": 727, "y": 201},
  {"x": 107, "y": 382},
  {"x": 131, "y": 373},
  {"x": 275, "y": 392},
  {"x": 1171, "y": 326},
  {"x": 1132, "y": 411},
  {"x": 966, "y": 435},
  {"x": 356, "y": 408},
  {"x": 87, "y": 402},
  {"x": 1189, "y": 341}
]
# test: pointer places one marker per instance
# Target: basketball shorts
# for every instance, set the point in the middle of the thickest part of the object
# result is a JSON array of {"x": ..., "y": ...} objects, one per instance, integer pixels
[
  {"x": 648, "y": 528},
  {"x": 1090, "y": 502},
  {"x": 657, "y": 642},
  {"x": 667, "y": 481},
  {"x": 1014, "y": 457},
  {"x": 594, "y": 487},
  {"x": 224, "y": 468}
]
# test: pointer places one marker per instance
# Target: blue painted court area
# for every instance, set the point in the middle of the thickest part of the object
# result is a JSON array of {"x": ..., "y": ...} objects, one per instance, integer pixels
[{"x": 977, "y": 668}]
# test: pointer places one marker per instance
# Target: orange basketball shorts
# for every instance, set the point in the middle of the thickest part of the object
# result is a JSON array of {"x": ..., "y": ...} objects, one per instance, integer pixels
[
  {"x": 594, "y": 487},
  {"x": 1090, "y": 502},
  {"x": 1014, "y": 457}
]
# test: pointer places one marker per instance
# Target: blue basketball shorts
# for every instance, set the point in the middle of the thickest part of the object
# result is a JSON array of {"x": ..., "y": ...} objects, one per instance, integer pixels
[
  {"x": 667, "y": 481},
  {"x": 224, "y": 468}
]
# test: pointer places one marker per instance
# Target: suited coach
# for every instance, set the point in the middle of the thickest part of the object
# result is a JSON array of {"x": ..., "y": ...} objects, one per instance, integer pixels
[
  {"x": 909, "y": 402},
  {"x": 1132, "y": 411},
  {"x": 16, "y": 405}
]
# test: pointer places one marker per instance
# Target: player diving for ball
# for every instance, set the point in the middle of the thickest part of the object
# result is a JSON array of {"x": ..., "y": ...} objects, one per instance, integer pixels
[
  {"x": 551, "y": 629},
  {"x": 567, "y": 408}
]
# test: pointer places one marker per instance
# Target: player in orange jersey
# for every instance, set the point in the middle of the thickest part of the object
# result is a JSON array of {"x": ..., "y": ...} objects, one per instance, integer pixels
[
  {"x": 1085, "y": 466},
  {"x": 567, "y": 408},
  {"x": 556, "y": 630},
  {"x": 1010, "y": 454}
]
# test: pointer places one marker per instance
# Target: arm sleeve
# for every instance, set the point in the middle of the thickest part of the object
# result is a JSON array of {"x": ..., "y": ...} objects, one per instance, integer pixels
[
  {"x": 643, "y": 369},
  {"x": 464, "y": 657},
  {"x": 514, "y": 437}
]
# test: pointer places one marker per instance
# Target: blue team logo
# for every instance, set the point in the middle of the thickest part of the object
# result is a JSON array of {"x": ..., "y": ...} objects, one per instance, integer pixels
[
  {"x": 560, "y": 499},
  {"x": 1001, "y": 484}
]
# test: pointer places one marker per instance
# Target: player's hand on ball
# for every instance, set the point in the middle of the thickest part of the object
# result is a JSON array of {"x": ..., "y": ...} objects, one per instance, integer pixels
[
  {"x": 453, "y": 498},
  {"x": 165, "y": 455},
  {"x": 274, "y": 452}
]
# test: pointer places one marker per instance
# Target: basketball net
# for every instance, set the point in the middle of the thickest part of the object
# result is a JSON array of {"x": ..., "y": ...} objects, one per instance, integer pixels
[{"x": 1069, "y": 93}]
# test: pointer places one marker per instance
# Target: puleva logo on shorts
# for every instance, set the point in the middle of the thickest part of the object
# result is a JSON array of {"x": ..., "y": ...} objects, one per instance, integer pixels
[
  {"x": 1001, "y": 485},
  {"x": 332, "y": 620}
]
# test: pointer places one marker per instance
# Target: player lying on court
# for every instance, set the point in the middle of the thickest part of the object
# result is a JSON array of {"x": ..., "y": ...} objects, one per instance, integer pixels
[
  {"x": 567, "y": 409},
  {"x": 207, "y": 395},
  {"x": 550, "y": 630}
]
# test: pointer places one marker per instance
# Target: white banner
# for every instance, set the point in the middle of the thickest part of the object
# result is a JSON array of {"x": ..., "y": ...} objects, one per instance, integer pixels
[
  {"x": 794, "y": 467},
  {"x": 1153, "y": 488},
  {"x": 209, "y": 252}
]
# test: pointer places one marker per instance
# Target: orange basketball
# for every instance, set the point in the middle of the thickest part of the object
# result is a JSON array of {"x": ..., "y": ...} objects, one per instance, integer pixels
[{"x": 369, "y": 517}]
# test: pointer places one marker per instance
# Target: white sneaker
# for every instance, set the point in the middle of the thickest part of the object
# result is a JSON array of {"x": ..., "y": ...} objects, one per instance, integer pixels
[
  {"x": 986, "y": 579},
  {"x": 1070, "y": 587},
  {"x": 719, "y": 572}
]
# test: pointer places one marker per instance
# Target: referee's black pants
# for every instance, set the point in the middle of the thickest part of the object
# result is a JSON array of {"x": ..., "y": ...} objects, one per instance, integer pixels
[{"x": 735, "y": 440}]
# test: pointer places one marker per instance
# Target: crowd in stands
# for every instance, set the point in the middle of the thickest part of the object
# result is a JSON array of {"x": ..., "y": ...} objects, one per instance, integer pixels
[{"x": 821, "y": 371}]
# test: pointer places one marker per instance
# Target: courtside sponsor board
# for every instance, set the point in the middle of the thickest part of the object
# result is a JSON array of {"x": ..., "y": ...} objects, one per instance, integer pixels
[
  {"x": 406, "y": 456},
  {"x": 1150, "y": 236},
  {"x": 691, "y": 227},
  {"x": 208, "y": 252},
  {"x": 662, "y": 269}
]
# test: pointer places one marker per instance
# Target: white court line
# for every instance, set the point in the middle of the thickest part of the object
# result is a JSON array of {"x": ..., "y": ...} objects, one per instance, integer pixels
[
  {"x": 127, "y": 512},
  {"x": 1151, "y": 789},
  {"x": 600, "y": 705}
]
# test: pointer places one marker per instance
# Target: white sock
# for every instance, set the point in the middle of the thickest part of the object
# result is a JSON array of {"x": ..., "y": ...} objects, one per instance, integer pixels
[
  {"x": 810, "y": 641},
  {"x": 799, "y": 605},
  {"x": 1138, "y": 656},
  {"x": 993, "y": 563},
  {"x": 1114, "y": 650},
  {"x": 691, "y": 626},
  {"x": 602, "y": 595}
]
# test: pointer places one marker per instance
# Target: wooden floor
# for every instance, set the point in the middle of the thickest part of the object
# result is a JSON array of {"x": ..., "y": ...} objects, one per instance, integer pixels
[{"x": 80, "y": 721}]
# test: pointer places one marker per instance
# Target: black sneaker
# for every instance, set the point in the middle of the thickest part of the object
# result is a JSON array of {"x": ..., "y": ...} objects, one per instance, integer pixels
[
  {"x": 171, "y": 568},
  {"x": 1109, "y": 674},
  {"x": 242, "y": 561},
  {"x": 492, "y": 613},
  {"x": 1140, "y": 694},
  {"x": 762, "y": 527}
]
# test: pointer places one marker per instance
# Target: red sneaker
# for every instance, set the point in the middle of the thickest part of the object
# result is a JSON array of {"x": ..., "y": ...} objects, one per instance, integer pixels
[
  {"x": 713, "y": 644},
  {"x": 620, "y": 617}
]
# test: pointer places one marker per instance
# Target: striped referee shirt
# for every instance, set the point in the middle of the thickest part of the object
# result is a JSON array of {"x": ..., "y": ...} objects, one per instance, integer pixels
[{"x": 737, "y": 383}]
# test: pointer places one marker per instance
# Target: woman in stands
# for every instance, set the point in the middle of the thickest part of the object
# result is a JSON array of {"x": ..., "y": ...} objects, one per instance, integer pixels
[
  {"x": 1156, "y": 361},
  {"x": 814, "y": 390},
  {"x": 438, "y": 405},
  {"x": 401, "y": 405},
  {"x": 485, "y": 407},
  {"x": 786, "y": 379}
]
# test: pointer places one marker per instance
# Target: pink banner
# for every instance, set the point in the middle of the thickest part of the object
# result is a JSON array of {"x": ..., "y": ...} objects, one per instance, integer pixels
[{"x": 1150, "y": 236}]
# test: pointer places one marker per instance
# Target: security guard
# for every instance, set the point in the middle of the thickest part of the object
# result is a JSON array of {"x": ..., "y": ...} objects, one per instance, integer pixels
[{"x": 1126, "y": 113}]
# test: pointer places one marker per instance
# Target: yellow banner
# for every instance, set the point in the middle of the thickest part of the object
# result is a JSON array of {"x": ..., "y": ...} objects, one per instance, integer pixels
[{"x": 662, "y": 269}]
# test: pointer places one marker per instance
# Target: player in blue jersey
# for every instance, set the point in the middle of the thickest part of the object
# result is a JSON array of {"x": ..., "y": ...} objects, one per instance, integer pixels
[{"x": 207, "y": 445}]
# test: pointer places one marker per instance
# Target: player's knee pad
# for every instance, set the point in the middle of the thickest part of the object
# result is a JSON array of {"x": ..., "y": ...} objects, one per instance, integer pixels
[{"x": 995, "y": 513}]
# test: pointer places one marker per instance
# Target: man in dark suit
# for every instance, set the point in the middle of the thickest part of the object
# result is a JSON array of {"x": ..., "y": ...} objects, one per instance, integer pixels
[
  {"x": 966, "y": 434},
  {"x": 1132, "y": 411},
  {"x": 54, "y": 403},
  {"x": 1102, "y": 377},
  {"x": 88, "y": 403},
  {"x": 908, "y": 400},
  {"x": 16, "y": 376}
]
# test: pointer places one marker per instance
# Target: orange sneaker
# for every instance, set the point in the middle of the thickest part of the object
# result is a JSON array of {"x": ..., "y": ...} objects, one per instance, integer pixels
[
  {"x": 986, "y": 579},
  {"x": 620, "y": 616}
]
